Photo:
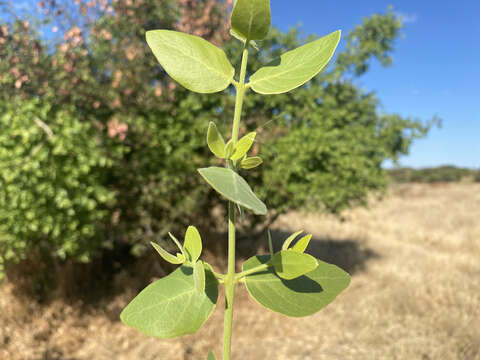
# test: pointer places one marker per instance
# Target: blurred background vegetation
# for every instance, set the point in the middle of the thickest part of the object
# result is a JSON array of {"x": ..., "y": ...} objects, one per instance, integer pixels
[{"x": 99, "y": 147}]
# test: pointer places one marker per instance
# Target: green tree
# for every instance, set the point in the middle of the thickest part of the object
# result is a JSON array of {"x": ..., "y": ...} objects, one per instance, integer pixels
[{"x": 98, "y": 68}]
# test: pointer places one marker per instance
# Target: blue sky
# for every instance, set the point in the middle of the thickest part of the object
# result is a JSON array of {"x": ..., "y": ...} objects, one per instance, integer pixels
[{"x": 436, "y": 68}]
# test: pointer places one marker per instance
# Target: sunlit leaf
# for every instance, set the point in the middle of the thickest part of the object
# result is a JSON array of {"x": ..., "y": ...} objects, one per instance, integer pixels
[
  {"x": 251, "y": 162},
  {"x": 251, "y": 19},
  {"x": 192, "y": 61},
  {"x": 172, "y": 306},
  {"x": 215, "y": 141},
  {"x": 296, "y": 67},
  {"x": 193, "y": 244},
  {"x": 243, "y": 145},
  {"x": 288, "y": 241},
  {"x": 301, "y": 245},
  {"x": 180, "y": 247},
  {"x": 299, "y": 297},
  {"x": 231, "y": 185},
  {"x": 166, "y": 255},
  {"x": 291, "y": 264},
  {"x": 229, "y": 149}
]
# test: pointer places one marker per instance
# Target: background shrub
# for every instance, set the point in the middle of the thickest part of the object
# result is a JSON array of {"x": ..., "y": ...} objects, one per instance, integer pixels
[{"x": 131, "y": 139}]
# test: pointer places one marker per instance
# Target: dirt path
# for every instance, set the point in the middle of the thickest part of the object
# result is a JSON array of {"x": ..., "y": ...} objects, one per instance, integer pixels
[{"x": 415, "y": 294}]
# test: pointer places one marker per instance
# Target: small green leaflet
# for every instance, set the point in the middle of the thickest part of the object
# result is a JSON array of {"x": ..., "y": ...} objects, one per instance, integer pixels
[
  {"x": 299, "y": 297},
  {"x": 211, "y": 356},
  {"x": 301, "y": 245},
  {"x": 215, "y": 141},
  {"x": 243, "y": 145},
  {"x": 199, "y": 276},
  {"x": 166, "y": 255},
  {"x": 229, "y": 149},
  {"x": 290, "y": 264},
  {"x": 172, "y": 306},
  {"x": 288, "y": 241},
  {"x": 192, "y": 61},
  {"x": 296, "y": 67},
  {"x": 251, "y": 19},
  {"x": 193, "y": 244},
  {"x": 251, "y": 162},
  {"x": 231, "y": 185}
]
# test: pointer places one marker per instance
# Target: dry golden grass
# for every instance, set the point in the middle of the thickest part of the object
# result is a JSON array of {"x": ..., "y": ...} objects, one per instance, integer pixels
[{"x": 415, "y": 294}]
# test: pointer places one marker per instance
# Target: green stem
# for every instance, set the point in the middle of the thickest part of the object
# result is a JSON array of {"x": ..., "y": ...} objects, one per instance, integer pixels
[
  {"x": 230, "y": 279},
  {"x": 240, "y": 86}
]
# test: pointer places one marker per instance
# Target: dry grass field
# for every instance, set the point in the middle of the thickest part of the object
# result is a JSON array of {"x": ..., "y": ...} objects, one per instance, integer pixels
[{"x": 415, "y": 294}]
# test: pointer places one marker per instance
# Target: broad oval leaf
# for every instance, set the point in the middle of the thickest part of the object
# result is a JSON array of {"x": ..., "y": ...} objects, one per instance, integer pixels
[
  {"x": 172, "y": 259},
  {"x": 243, "y": 145},
  {"x": 199, "y": 276},
  {"x": 299, "y": 297},
  {"x": 172, "y": 306},
  {"x": 215, "y": 141},
  {"x": 193, "y": 244},
  {"x": 296, "y": 67},
  {"x": 251, "y": 162},
  {"x": 192, "y": 61},
  {"x": 301, "y": 245},
  {"x": 231, "y": 185},
  {"x": 251, "y": 19},
  {"x": 288, "y": 241},
  {"x": 291, "y": 264}
]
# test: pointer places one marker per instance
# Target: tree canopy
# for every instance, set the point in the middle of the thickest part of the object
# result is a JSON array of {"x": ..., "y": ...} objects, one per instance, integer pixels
[{"x": 91, "y": 66}]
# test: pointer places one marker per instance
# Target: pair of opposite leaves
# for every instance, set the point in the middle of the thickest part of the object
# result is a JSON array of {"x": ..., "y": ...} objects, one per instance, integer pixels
[
  {"x": 202, "y": 67},
  {"x": 175, "y": 306},
  {"x": 228, "y": 151}
]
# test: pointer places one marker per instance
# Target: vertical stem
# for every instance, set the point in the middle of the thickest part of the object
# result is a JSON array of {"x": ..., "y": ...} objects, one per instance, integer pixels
[{"x": 230, "y": 280}]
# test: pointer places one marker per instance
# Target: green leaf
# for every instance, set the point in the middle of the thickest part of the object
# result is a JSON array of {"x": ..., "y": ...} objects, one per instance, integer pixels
[
  {"x": 243, "y": 145},
  {"x": 172, "y": 306},
  {"x": 251, "y": 162},
  {"x": 251, "y": 19},
  {"x": 192, "y": 61},
  {"x": 229, "y": 149},
  {"x": 166, "y": 255},
  {"x": 231, "y": 185},
  {"x": 291, "y": 264},
  {"x": 296, "y": 67},
  {"x": 181, "y": 257},
  {"x": 299, "y": 297},
  {"x": 215, "y": 141},
  {"x": 211, "y": 356},
  {"x": 199, "y": 276},
  {"x": 301, "y": 245},
  {"x": 289, "y": 240},
  {"x": 193, "y": 244},
  {"x": 180, "y": 247}
]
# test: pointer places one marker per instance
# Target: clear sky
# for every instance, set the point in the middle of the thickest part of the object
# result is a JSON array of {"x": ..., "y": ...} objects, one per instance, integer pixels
[{"x": 436, "y": 68}]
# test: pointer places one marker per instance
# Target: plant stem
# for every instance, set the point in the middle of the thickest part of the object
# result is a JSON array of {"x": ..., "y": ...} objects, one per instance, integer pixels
[
  {"x": 230, "y": 280},
  {"x": 239, "y": 98}
]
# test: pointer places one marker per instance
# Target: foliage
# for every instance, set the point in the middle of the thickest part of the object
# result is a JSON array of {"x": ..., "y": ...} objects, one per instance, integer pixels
[
  {"x": 98, "y": 66},
  {"x": 447, "y": 173},
  {"x": 288, "y": 281},
  {"x": 51, "y": 194}
]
